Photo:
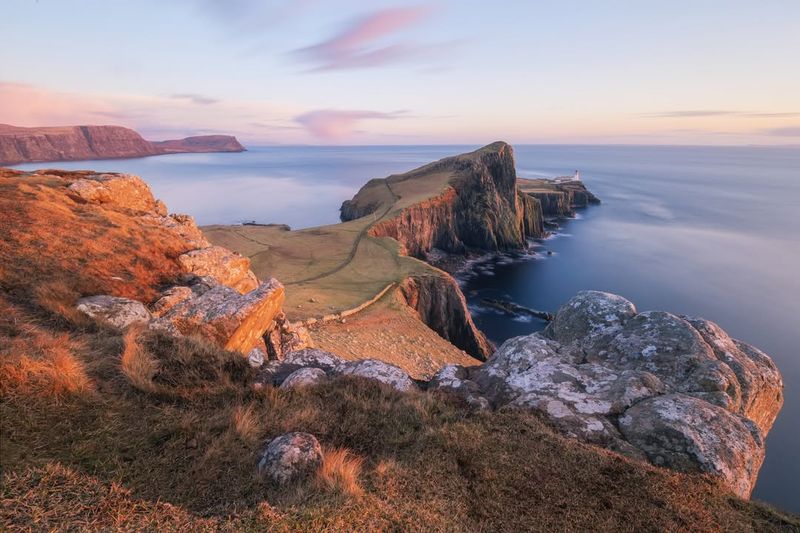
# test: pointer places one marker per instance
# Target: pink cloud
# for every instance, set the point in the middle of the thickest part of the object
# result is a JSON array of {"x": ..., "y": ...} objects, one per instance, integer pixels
[
  {"x": 26, "y": 105},
  {"x": 331, "y": 124},
  {"x": 361, "y": 43}
]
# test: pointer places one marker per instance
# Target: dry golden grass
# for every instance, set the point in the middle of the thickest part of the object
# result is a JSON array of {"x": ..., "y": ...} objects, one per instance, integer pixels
[
  {"x": 36, "y": 361},
  {"x": 136, "y": 362},
  {"x": 340, "y": 471},
  {"x": 48, "y": 238},
  {"x": 245, "y": 422}
]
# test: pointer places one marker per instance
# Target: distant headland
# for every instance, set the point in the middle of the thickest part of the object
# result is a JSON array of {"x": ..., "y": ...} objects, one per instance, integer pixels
[{"x": 76, "y": 143}]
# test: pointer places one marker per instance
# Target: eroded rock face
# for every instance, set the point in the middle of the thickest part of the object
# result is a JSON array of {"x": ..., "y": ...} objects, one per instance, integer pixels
[
  {"x": 290, "y": 457},
  {"x": 675, "y": 390},
  {"x": 119, "y": 312},
  {"x": 225, "y": 266},
  {"x": 123, "y": 191},
  {"x": 234, "y": 321}
]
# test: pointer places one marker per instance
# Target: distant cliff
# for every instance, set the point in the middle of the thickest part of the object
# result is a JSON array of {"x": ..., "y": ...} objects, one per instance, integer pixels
[
  {"x": 75, "y": 143},
  {"x": 468, "y": 202},
  {"x": 201, "y": 143}
]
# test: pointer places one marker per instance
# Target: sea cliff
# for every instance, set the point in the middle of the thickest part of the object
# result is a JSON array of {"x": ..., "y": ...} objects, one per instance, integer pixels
[{"x": 76, "y": 143}]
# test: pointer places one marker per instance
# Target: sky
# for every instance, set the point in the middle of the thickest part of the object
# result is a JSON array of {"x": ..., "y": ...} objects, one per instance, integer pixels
[{"x": 441, "y": 72}]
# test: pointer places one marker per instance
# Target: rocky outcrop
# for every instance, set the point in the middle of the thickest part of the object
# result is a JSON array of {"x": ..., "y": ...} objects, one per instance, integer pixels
[
  {"x": 290, "y": 457},
  {"x": 478, "y": 207},
  {"x": 557, "y": 199},
  {"x": 216, "y": 295},
  {"x": 303, "y": 377},
  {"x": 305, "y": 365},
  {"x": 200, "y": 144},
  {"x": 676, "y": 391},
  {"x": 75, "y": 143},
  {"x": 226, "y": 267},
  {"x": 235, "y": 321},
  {"x": 120, "y": 191},
  {"x": 442, "y": 307}
]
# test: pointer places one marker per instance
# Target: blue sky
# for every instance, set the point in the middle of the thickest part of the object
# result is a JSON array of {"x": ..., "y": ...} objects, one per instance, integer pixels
[{"x": 325, "y": 72}]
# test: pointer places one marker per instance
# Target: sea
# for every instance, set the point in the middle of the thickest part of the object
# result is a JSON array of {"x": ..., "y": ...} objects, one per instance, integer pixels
[{"x": 703, "y": 231}]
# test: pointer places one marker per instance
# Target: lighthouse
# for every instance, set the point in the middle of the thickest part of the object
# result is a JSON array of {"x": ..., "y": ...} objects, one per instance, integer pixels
[{"x": 576, "y": 176}]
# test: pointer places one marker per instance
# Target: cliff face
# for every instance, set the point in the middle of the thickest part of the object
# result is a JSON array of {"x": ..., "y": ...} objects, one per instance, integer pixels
[
  {"x": 23, "y": 145},
  {"x": 558, "y": 199},
  {"x": 478, "y": 207},
  {"x": 75, "y": 143},
  {"x": 443, "y": 308}
]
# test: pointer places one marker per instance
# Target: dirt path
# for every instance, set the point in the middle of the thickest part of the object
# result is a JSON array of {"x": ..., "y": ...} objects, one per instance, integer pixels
[{"x": 356, "y": 242}]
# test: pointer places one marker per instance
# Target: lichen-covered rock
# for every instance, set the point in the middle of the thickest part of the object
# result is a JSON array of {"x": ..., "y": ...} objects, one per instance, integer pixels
[
  {"x": 235, "y": 321},
  {"x": 256, "y": 357},
  {"x": 169, "y": 299},
  {"x": 589, "y": 314},
  {"x": 117, "y": 190},
  {"x": 182, "y": 225},
  {"x": 290, "y": 457},
  {"x": 641, "y": 383},
  {"x": 303, "y": 377},
  {"x": 119, "y": 312},
  {"x": 455, "y": 379},
  {"x": 379, "y": 371},
  {"x": 227, "y": 267},
  {"x": 276, "y": 371},
  {"x": 688, "y": 434}
]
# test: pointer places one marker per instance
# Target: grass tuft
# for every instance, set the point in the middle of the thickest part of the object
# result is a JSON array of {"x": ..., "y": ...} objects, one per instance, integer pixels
[{"x": 340, "y": 472}]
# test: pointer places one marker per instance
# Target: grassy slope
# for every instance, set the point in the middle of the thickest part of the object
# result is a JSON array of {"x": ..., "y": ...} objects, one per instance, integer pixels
[
  {"x": 179, "y": 453},
  {"x": 104, "y": 431}
]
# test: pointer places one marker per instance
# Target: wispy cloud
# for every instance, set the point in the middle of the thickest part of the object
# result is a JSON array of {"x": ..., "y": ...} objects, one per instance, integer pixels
[
  {"x": 789, "y": 131},
  {"x": 699, "y": 113},
  {"x": 371, "y": 41},
  {"x": 332, "y": 124},
  {"x": 198, "y": 99}
]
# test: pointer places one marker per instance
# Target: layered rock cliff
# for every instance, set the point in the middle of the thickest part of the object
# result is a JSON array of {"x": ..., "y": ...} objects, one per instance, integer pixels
[
  {"x": 478, "y": 205},
  {"x": 557, "y": 199},
  {"x": 75, "y": 143},
  {"x": 443, "y": 308}
]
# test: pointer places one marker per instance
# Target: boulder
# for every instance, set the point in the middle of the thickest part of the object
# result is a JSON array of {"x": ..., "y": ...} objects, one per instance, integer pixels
[
  {"x": 303, "y": 377},
  {"x": 116, "y": 190},
  {"x": 275, "y": 372},
  {"x": 183, "y": 226},
  {"x": 255, "y": 357},
  {"x": 290, "y": 457},
  {"x": 455, "y": 379},
  {"x": 379, "y": 371},
  {"x": 677, "y": 391},
  {"x": 119, "y": 312},
  {"x": 688, "y": 434},
  {"x": 234, "y": 321},
  {"x": 226, "y": 267},
  {"x": 169, "y": 299}
]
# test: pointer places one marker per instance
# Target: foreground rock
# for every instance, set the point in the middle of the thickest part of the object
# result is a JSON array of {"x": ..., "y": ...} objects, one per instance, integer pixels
[
  {"x": 674, "y": 390},
  {"x": 312, "y": 365},
  {"x": 118, "y": 312},
  {"x": 226, "y": 267},
  {"x": 234, "y": 321},
  {"x": 290, "y": 457}
]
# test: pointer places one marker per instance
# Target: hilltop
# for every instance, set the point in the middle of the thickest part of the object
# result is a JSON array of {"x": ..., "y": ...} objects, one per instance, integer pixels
[{"x": 76, "y": 143}]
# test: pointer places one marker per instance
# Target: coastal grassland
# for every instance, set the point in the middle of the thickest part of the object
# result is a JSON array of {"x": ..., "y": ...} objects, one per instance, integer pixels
[
  {"x": 326, "y": 269},
  {"x": 177, "y": 451}
]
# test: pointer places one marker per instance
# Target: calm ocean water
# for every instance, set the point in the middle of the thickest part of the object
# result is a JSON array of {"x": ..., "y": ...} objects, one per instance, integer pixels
[{"x": 712, "y": 232}]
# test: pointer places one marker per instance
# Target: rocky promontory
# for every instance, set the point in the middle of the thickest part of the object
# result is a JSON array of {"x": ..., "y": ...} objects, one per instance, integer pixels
[
  {"x": 76, "y": 143},
  {"x": 469, "y": 202}
]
